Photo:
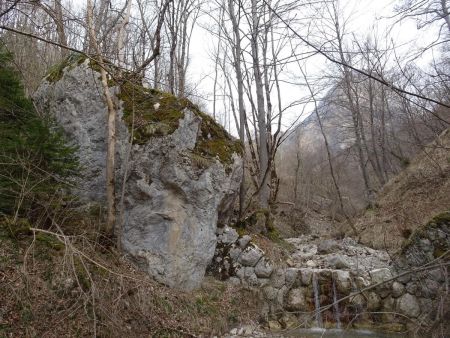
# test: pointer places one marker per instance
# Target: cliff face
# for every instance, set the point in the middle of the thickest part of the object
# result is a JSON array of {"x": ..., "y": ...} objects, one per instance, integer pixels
[{"x": 182, "y": 169}]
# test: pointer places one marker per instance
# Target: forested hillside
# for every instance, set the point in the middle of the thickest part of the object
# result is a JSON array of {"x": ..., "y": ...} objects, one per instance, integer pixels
[{"x": 224, "y": 168}]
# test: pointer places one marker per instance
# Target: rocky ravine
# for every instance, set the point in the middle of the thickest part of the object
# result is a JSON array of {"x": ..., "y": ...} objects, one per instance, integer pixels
[
  {"x": 183, "y": 170},
  {"x": 335, "y": 283}
]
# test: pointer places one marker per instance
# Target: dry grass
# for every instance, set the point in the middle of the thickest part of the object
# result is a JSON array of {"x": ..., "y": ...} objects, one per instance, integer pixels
[
  {"x": 409, "y": 200},
  {"x": 74, "y": 286}
]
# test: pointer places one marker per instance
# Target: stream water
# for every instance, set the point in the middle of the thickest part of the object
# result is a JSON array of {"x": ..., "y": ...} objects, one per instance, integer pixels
[
  {"x": 336, "y": 311},
  {"x": 317, "y": 300},
  {"x": 340, "y": 333}
]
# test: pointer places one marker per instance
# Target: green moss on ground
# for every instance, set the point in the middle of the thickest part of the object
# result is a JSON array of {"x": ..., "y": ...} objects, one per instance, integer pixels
[{"x": 158, "y": 114}]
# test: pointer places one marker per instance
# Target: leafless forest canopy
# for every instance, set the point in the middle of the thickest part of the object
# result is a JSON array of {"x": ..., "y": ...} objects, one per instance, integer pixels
[{"x": 328, "y": 113}]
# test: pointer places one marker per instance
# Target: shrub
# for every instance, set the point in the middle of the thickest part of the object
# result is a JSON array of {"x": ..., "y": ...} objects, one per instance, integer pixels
[{"x": 35, "y": 161}]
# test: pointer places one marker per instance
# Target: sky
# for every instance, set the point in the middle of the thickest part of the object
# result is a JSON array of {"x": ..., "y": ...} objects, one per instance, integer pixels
[{"x": 366, "y": 16}]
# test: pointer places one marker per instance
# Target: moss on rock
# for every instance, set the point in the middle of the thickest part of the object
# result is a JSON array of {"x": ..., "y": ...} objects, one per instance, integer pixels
[
  {"x": 438, "y": 221},
  {"x": 56, "y": 72},
  {"x": 158, "y": 113},
  {"x": 155, "y": 113}
]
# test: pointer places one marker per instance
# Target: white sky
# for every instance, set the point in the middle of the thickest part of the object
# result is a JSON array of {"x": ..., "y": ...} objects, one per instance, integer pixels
[{"x": 364, "y": 15}]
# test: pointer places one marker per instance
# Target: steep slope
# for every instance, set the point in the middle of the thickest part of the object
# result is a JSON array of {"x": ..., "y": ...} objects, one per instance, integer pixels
[
  {"x": 411, "y": 198},
  {"x": 69, "y": 283}
]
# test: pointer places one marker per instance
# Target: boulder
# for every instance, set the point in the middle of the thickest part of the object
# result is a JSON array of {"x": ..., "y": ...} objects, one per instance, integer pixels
[
  {"x": 398, "y": 289},
  {"x": 278, "y": 278},
  {"x": 296, "y": 300},
  {"x": 337, "y": 262},
  {"x": 250, "y": 256},
  {"x": 183, "y": 171},
  {"x": 383, "y": 276},
  {"x": 380, "y": 275},
  {"x": 243, "y": 241},
  {"x": 291, "y": 276},
  {"x": 409, "y": 305},
  {"x": 73, "y": 97},
  {"x": 327, "y": 246},
  {"x": 306, "y": 276},
  {"x": 263, "y": 269},
  {"x": 343, "y": 281},
  {"x": 228, "y": 235},
  {"x": 373, "y": 301}
]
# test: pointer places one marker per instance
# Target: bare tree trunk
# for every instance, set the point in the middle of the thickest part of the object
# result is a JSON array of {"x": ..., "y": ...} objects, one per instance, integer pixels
[
  {"x": 121, "y": 36},
  {"x": 59, "y": 21},
  {"x": 111, "y": 127},
  {"x": 446, "y": 14},
  {"x": 297, "y": 173},
  {"x": 216, "y": 64},
  {"x": 264, "y": 177},
  {"x": 240, "y": 89},
  {"x": 377, "y": 168},
  {"x": 356, "y": 116},
  {"x": 56, "y": 13}
]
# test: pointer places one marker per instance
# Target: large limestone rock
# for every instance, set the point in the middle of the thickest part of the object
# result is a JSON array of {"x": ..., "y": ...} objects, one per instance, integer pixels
[
  {"x": 72, "y": 94},
  {"x": 171, "y": 207},
  {"x": 182, "y": 176}
]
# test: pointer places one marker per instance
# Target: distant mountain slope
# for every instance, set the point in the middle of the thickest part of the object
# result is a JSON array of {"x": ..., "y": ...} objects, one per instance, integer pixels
[{"x": 411, "y": 198}]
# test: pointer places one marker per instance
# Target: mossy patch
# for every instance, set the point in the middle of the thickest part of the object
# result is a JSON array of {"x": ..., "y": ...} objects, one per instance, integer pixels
[
  {"x": 155, "y": 113},
  {"x": 436, "y": 222},
  {"x": 50, "y": 241},
  {"x": 158, "y": 114},
  {"x": 214, "y": 141},
  {"x": 56, "y": 72}
]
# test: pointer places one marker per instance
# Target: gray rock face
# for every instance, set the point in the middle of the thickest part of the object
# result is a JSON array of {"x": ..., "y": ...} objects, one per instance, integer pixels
[
  {"x": 172, "y": 206},
  {"x": 172, "y": 209},
  {"x": 76, "y": 102}
]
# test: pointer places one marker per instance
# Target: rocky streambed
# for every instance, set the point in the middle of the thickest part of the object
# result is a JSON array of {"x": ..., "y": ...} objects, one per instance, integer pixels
[{"x": 337, "y": 284}]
